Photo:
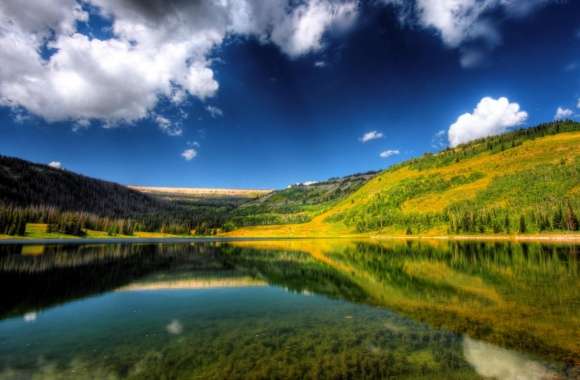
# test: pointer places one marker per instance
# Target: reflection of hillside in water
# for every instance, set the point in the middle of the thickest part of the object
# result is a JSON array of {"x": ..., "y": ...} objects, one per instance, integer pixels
[
  {"x": 522, "y": 296},
  {"x": 518, "y": 296},
  {"x": 64, "y": 273}
]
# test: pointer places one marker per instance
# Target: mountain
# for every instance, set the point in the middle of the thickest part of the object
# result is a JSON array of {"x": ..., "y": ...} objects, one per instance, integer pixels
[
  {"x": 522, "y": 181},
  {"x": 23, "y": 183},
  {"x": 36, "y": 193}
]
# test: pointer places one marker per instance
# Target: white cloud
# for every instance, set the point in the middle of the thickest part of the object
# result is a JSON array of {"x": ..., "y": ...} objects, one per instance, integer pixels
[
  {"x": 189, "y": 154},
  {"x": 490, "y": 117},
  {"x": 174, "y": 327},
  {"x": 458, "y": 21},
  {"x": 389, "y": 153},
  {"x": 320, "y": 64},
  {"x": 169, "y": 127},
  {"x": 464, "y": 21},
  {"x": 155, "y": 52},
  {"x": 214, "y": 111},
  {"x": 563, "y": 113},
  {"x": 578, "y": 103},
  {"x": 302, "y": 31},
  {"x": 55, "y": 164},
  {"x": 372, "y": 135}
]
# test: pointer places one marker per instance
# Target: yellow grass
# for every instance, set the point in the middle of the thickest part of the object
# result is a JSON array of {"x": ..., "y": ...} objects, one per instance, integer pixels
[{"x": 546, "y": 150}]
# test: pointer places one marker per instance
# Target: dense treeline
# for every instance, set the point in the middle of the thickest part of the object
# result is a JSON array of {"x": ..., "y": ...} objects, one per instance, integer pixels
[
  {"x": 13, "y": 221},
  {"x": 70, "y": 203}
]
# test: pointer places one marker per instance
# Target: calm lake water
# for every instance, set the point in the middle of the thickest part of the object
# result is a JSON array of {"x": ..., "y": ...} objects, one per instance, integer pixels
[{"x": 300, "y": 309}]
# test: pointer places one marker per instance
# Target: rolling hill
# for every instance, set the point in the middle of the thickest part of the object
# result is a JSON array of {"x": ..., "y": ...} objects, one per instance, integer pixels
[
  {"x": 24, "y": 184},
  {"x": 298, "y": 203},
  {"x": 524, "y": 181},
  {"x": 39, "y": 194}
]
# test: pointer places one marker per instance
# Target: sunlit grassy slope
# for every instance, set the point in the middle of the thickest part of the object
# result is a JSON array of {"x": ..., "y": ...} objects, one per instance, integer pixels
[{"x": 523, "y": 182}]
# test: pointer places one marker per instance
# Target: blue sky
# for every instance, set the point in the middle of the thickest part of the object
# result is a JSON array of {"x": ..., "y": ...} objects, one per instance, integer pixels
[{"x": 252, "y": 104}]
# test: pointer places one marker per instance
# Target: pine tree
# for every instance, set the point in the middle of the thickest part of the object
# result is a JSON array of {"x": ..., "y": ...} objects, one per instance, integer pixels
[
  {"x": 570, "y": 219},
  {"x": 523, "y": 228}
]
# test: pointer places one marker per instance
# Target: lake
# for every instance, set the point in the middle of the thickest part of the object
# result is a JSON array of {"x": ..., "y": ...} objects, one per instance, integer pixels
[{"x": 290, "y": 309}]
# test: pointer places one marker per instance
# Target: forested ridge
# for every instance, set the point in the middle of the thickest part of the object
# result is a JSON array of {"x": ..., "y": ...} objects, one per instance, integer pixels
[
  {"x": 524, "y": 181},
  {"x": 70, "y": 203}
]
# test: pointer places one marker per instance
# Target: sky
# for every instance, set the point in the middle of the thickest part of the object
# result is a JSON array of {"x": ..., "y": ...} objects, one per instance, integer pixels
[{"x": 267, "y": 93}]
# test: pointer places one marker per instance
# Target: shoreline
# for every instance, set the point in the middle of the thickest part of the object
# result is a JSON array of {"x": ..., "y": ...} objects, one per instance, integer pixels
[
  {"x": 546, "y": 238},
  {"x": 556, "y": 238}
]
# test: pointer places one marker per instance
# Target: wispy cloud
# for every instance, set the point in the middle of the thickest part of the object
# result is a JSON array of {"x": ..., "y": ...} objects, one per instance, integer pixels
[
  {"x": 320, "y": 64},
  {"x": 389, "y": 153},
  {"x": 168, "y": 127},
  {"x": 214, "y": 111},
  {"x": 571, "y": 66},
  {"x": 372, "y": 135},
  {"x": 438, "y": 141}
]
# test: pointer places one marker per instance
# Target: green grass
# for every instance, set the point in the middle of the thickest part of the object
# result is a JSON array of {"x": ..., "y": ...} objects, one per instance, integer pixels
[
  {"x": 39, "y": 231},
  {"x": 485, "y": 187}
]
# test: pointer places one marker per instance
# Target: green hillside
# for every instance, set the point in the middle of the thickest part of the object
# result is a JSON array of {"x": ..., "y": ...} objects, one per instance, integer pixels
[
  {"x": 525, "y": 181},
  {"x": 298, "y": 203}
]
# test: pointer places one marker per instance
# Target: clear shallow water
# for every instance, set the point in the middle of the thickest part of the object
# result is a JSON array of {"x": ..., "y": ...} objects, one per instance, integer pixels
[{"x": 323, "y": 309}]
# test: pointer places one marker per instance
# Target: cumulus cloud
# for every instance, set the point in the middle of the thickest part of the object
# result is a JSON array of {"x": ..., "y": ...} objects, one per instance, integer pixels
[
  {"x": 157, "y": 50},
  {"x": 372, "y": 135},
  {"x": 55, "y": 164},
  {"x": 189, "y": 154},
  {"x": 389, "y": 153},
  {"x": 214, "y": 111},
  {"x": 563, "y": 113},
  {"x": 490, "y": 117}
]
